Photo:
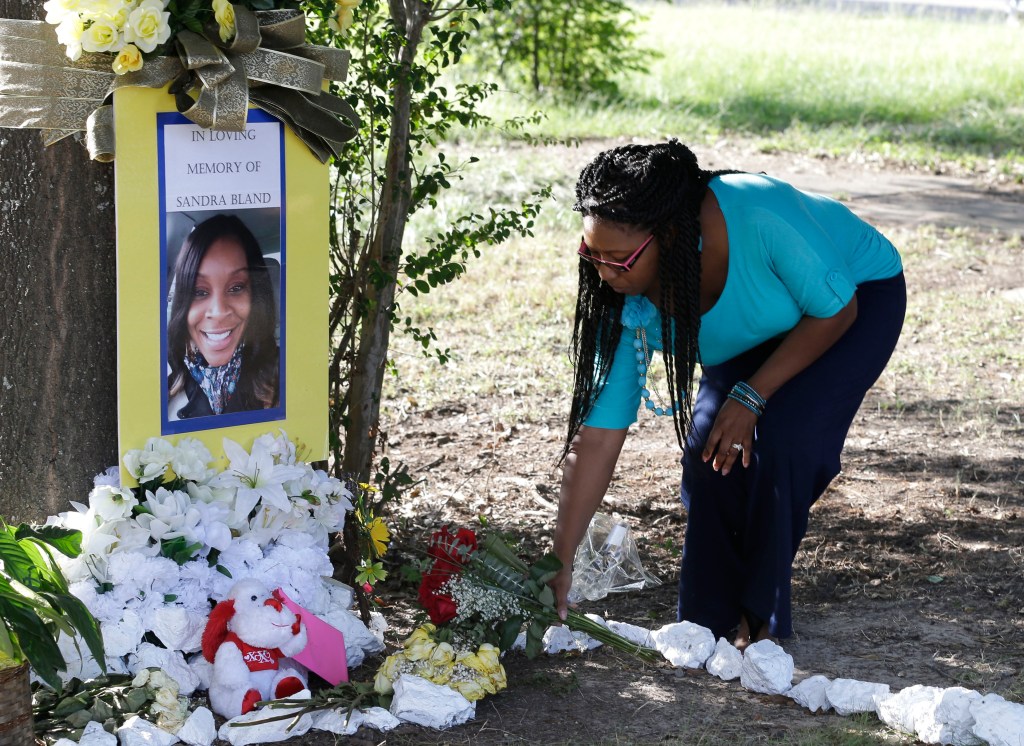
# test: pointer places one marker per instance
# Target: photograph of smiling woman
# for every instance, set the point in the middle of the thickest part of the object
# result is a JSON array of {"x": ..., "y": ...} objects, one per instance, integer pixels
[{"x": 222, "y": 354}]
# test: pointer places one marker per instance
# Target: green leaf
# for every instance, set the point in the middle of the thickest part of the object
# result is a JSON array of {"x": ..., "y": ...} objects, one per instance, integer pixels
[
  {"x": 16, "y": 563},
  {"x": 534, "y": 638},
  {"x": 51, "y": 577},
  {"x": 40, "y": 648},
  {"x": 65, "y": 540},
  {"x": 508, "y": 631},
  {"x": 545, "y": 568},
  {"x": 85, "y": 624},
  {"x": 6, "y": 643}
]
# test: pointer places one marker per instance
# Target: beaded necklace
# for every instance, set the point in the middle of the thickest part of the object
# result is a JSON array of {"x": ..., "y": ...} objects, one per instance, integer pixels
[{"x": 643, "y": 360}]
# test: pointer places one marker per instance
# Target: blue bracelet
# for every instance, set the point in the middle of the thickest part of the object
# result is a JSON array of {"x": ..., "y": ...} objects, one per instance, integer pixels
[{"x": 743, "y": 394}]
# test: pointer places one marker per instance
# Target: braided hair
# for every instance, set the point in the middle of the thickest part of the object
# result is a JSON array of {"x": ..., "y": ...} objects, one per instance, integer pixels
[{"x": 658, "y": 188}]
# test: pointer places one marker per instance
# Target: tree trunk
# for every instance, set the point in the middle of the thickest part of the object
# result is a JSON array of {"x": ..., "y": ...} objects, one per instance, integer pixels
[
  {"x": 375, "y": 331},
  {"x": 58, "y": 388}
]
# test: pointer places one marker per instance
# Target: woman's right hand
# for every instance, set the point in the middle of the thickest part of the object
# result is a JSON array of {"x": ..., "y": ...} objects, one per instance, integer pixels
[
  {"x": 586, "y": 473},
  {"x": 561, "y": 584}
]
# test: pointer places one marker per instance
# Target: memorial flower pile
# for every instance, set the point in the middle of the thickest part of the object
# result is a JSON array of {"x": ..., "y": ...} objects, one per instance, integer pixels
[
  {"x": 133, "y": 31},
  {"x": 156, "y": 555}
]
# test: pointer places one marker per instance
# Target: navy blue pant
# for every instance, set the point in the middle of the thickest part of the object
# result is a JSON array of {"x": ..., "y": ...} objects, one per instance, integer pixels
[{"x": 743, "y": 530}]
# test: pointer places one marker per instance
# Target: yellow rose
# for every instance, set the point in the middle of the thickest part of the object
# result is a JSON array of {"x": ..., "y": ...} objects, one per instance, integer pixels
[
  {"x": 147, "y": 26},
  {"x": 443, "y": 654},
  {"x": 69, "y": 33},
  {"x": 420, "y": 633},
  {"x": 58, "y": 10},
  {"x": 342, "y": 19},
  {"x": 128, "y": 60},
  {"x": 224, "y": 14},
  {"x": 349, "y": 3},
  {"x": 498, "y": 679},
  {"x": 382, "y": 684},
  {"x": 420, "y": 650},
  {"x": 438, "y": 673},
  {"x": 489, "y": 656},
  {"x": 471, "y": 690},
  {"x": 101, "y": 36}
]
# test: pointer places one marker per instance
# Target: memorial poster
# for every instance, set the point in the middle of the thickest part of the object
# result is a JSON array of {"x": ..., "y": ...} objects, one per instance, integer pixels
[{"x": 222, "y": 282}]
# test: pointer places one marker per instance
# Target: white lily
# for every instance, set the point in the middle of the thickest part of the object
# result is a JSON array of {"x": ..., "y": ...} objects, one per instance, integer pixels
[{"x": 256, "y": 477}]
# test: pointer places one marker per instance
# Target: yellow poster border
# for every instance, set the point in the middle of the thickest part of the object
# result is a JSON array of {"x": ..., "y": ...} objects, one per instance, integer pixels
[{"x": 140, "y": 380}]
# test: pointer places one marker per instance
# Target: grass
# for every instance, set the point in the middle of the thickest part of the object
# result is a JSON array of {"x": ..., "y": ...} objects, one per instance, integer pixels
[
  {"x": 916, "y": 91},
  {"x": 919, "y": 90}
]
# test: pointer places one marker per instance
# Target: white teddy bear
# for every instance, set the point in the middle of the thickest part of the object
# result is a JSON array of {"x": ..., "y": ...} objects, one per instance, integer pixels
[{"x": 246, "y": 638}]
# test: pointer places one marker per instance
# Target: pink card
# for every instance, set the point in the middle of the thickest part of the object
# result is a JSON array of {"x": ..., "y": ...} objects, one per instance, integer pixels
[{"x": 324, "y": 654}]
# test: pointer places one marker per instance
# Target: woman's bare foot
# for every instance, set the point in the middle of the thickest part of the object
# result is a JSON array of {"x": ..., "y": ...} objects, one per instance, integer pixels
[{"x": 743, "y": 639}]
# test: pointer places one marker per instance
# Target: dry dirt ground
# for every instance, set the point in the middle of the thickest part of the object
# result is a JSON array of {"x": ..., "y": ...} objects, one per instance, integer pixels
[{"x": 912, "y": 571}]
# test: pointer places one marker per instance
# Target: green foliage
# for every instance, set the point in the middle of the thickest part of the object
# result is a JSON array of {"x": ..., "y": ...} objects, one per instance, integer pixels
[
  {"x": 394, "y": 167},
  {"x": 35, "y": 604},
  {"x": 569, "y": 46}
]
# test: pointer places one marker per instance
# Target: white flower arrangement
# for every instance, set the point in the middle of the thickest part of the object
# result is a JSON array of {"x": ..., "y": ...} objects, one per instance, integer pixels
[{"x": 156, "y": 555}]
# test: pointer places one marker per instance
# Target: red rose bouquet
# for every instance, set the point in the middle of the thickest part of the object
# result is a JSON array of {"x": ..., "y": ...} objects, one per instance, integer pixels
[{"x": 480, "y": 591}]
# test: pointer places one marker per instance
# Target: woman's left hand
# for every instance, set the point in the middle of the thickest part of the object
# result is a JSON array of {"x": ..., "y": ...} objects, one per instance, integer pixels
[{"x": 732, "y": 436}]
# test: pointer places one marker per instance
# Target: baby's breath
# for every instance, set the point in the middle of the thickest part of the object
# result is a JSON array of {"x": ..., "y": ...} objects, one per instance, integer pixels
[{"x": 478, "y": 603}]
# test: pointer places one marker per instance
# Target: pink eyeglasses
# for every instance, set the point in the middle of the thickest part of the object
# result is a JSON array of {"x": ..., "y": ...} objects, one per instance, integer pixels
[{"x": 620, "y": 266}]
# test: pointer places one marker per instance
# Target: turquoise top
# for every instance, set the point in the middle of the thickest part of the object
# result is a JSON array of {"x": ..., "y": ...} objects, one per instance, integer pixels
[{"x": 791, "y": 254}]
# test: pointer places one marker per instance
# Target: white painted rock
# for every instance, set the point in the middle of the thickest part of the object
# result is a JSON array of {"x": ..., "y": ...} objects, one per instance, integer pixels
[
  {"x": 847, "y": 696},
  {"x": 907, "y": 707},
  {"x": 203, "y": 670},
  {"x": 199, "y": 729},
  {"x": 123, "y": 636},
  {"x": 767, "y": 668},
  {"x": 273, "y": 732},
  {"x": 177, "y": 628},
  {"x": 998, "y": 722},
  {"x": 424, "y": 703},
  {"x": 94, "y": 735},
  {"x": 638, "y": 635},
  {"x": 171, "y": 662},
  {"x": 685, "y": 644},
  {"x": 562, "y": 640},
  {"x": 359, "y": 641},
  {"x": 139, "y": 732},
  {"x": 339, "y": 722},
  {"x": 810, "y": 693},
  {"x": 726, "y": 662}
]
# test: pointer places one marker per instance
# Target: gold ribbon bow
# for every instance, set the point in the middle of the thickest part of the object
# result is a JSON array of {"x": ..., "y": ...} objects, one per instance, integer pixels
[{"x": 40, "y": 88}]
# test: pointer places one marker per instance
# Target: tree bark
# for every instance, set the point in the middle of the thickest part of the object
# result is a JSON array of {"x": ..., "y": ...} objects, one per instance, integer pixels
[
  {"x": 375, "y": 332},
  {"x": 58, "y": 386}
]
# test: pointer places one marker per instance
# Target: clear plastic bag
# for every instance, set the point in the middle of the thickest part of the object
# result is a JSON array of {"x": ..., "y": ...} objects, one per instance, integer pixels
[{"x": 607, "y": 561}]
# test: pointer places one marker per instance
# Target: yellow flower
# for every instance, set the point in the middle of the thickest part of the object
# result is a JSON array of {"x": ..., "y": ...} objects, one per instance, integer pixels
[
  {"x": 498, "y": 680},
  {"x": 342, "y": 19},
  {"x": 420, "y": 634},
  {"x": 101, "y": 36},
  {"x": 471, "y": 690},
  {"x": 443, "y": 655},
  {"x": 489, "y": 656},
  {"x": 420, "y": 650},
  {"x": 387, "y": 673},
  {"x": 147, "y": 26},
  {"x": 379, "y": 534},
  {"x": 128, "y": 60},
  {"x": 69, "y": 33},
  {"x": 58, "y": 10},
  {"x": 348, "y": 3},
  {"x": 224, "y": 14}
]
